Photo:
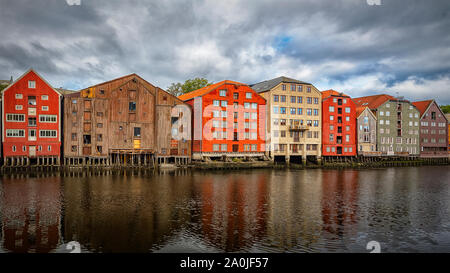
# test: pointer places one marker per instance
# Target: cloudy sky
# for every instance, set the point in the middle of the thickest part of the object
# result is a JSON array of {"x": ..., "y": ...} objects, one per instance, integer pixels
[{"x": 400, "y": 46}]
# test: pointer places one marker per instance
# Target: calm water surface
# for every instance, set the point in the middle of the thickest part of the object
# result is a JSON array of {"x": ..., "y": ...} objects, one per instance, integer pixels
[{"x": 405, "y": 209}]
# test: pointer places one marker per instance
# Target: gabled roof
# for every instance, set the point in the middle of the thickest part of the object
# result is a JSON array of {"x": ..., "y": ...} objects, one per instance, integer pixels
[
  {"x": 361, "y": 109},
  {"x": 422, "y": 106},
  {"x": 373, "y": 102},
  {"x": 26, "y": 73},
  {"x": 331, "y": 92},
  {"x": 269, "y": 84},
  {"x": 205, "y": 90}
]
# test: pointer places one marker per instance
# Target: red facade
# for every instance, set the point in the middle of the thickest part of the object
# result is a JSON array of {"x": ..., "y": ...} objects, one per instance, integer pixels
[
  {"x": 338, "y": 124},
  {"x": 228, "y": 117},
  {"x": 31, "y": 118}
]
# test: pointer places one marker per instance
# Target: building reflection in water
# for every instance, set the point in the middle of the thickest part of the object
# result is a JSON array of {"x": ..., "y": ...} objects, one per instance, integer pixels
[
  {"x": 233, "y": 210},
  {"x": 340, "y": 192},
  {"x": 30, "y": 213},
  {"x": 124, "y": 213}
]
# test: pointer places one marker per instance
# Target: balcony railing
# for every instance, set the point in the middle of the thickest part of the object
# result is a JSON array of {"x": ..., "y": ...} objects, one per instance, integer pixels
[{"x": 299, "y": 127}]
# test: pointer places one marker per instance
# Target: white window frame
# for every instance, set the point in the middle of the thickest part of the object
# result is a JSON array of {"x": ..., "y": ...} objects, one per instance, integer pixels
[
  {"x": 44, "y": 97},
  {"x": 9, "y": 119},
  {"x": 15, "y": 132},
  {"x": 44, "y": 136},
  {"x": 48, "y": 116},
  {"x": 32, "y": 84}
]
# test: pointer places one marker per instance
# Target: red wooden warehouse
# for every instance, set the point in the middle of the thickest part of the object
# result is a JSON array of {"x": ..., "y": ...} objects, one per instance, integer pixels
[
  {"x": 31, "y": 112},
  {"x": 338, "y": 125},
  {"x": 229, "y": 120}
]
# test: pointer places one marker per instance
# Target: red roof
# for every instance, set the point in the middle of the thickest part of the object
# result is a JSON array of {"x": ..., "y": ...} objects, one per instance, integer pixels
[
  {"x": 331, "y": 92},
  {"x": 374, "y": 101},
  {"x": 422, "y": 106},
  {"x": 359, "y": 110},
  {"x": 206, "y": 90}
]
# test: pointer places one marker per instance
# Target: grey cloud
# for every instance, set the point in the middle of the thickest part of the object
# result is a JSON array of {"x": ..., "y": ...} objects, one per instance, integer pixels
[{"x": 99, "y": 40}]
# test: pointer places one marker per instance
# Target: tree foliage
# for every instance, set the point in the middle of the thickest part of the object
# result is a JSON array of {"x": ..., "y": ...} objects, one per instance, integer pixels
[
  {"x": 445, "y": 109},
  {"x": 2, "y": 86},
  {"x": 178, "y": 88}
]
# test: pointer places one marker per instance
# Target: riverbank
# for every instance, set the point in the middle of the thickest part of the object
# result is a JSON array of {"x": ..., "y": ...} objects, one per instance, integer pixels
[{"x": 218, "y": 165}]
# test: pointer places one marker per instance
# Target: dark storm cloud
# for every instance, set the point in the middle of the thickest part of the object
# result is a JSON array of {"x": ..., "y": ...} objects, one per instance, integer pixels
[{"x": 400, "y": 46}]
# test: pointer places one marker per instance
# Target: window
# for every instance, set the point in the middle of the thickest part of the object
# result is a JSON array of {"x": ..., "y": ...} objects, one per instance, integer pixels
[
  {"x": 254, "y": 115},
  {"x": 99, "y": 114},
  {"x": 31, "y": 84},
  {"x": 44, "y": 108},
  {"x": 293, "y": 87},
  {"x": 276, "y": 98},
  {"x": 99, "y": 137},
  {"x": 275, "y": 110},
  {"x": 316, "y": 112},
  {"x": 74, "y": 136},
  {"x": 99, "y": 125},
  {"x": 223, "y": 93},
  {"x": 300, "y": 88},
  {"x": 331, "y": 117},
  {"x": 216, "y": 103},
  {"x": 254, "y": 106},
  {"x": 44, "y": 97},
  {"x": 308, "y": 89},
  {"x": 331, "y": 109},
  {"x": 309, "y": 100},
  {"x": 216, "y": 147},
  {"x": 283, "y": 87},
  {"x": 293, "y": 99},
  {"x": 15, "y": 133},
  {"x": 31, "y": 121},
  {"x": 331, "y": 137},
  {"x": 74, "y": 148},
  {"x": 99, "y": 149},
  {"x": 15, "y": 117},
  {"x": 132, "y": 106},
  {"x": 283, "y": 98},
  {"x": 299, "y": 99},
  {"x": 47, "y": 133},
  {"x": 19, "y": 96},
  {"x": 248, "y": 95},
  {"x": 86, "y": 139},
  {"x": 309, "y": 111},
  {"x": 47, "y": 118},
  {"x": 316, "y": 100},
  {"x": 316, "y": 123},
  {"x": 223, "y": 147},
  {"x": 347, "y": 138},
  {"x": 14, "y": 148},
  {"x": 293, "y": 111},
  {"x": 300, "y": 111},
  {"x": 223, "y": 103},
  {"x": 49, "y": 148},
  {"x": 347, "y": 109},
  {"x": 32, "y": 100},
  {"x": 19, "y": 107},
  {"x": 283, "y": 110},
  {"x": 388, "y": 113}
]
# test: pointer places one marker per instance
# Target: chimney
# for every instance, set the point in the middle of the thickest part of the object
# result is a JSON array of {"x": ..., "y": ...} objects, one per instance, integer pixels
[{"x": 11, "y": 80}]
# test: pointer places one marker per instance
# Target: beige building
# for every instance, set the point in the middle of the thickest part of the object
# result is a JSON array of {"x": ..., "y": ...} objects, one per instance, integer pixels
[
  {"x": 366, "y": 131},
  {"x": 294, "y": 119}
]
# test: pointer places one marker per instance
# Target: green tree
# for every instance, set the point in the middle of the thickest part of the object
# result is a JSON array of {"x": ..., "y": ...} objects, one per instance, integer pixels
[
  {"x": 2, "y": 87},
  {"x": 178, "y": 88},
  {"x": 445, "y": 109}
]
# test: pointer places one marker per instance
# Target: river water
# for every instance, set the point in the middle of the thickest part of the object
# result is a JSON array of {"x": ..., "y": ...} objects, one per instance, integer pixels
[{"x": 403, "y": 209}]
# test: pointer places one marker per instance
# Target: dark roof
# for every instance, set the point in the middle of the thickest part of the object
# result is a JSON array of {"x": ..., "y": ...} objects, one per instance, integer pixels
[{"x": 269, "y": 84}]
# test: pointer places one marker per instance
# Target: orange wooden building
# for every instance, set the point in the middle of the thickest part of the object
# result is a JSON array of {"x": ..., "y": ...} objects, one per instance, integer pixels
[{"x": 229, "y": 119}]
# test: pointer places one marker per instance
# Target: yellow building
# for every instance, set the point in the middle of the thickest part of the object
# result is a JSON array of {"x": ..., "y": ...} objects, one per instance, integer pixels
[{"x": 294, "y": 119}]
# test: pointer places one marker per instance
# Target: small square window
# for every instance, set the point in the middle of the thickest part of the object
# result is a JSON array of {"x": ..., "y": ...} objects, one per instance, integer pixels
[
  {"x": 31, "y": 84},
  {"x": 44, "y": 108},
  {"x": 19, "y": 96},
  {"x": 44, "y": 97}
]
